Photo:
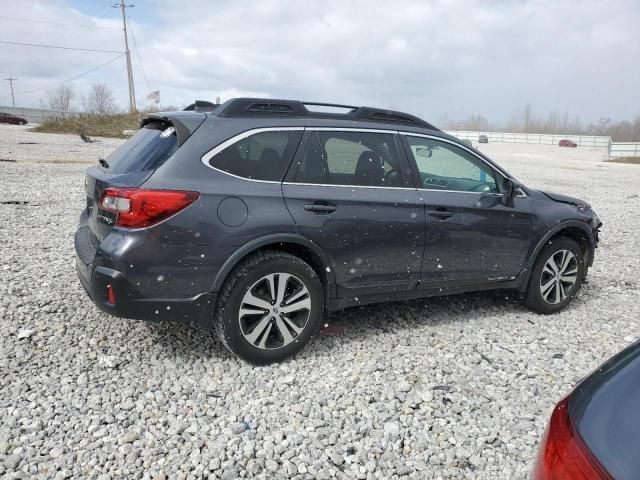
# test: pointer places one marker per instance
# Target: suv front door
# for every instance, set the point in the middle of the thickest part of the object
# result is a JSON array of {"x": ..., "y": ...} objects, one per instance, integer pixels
[
  {"x": 349, "y": 192},
  {"x": 472, "y": 235}
]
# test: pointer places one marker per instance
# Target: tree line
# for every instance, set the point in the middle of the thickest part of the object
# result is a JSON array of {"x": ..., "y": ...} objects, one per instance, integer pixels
[
  {"x": 557, "y": 123},
  {"x": 98, "y": 100}
]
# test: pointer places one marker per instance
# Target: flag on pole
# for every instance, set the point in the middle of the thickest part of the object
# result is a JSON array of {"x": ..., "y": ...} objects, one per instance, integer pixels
[{"x": 155, "y": 96}]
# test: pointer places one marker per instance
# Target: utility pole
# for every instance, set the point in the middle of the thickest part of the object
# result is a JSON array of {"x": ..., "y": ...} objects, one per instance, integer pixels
[
  {"x": 132, "y": 92},
  {"x": 10, "y": 80}
]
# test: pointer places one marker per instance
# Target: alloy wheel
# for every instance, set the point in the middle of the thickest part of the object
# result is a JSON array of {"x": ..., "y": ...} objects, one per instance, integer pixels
[
  {"x": 559, "y": 276},
  {"x": 274, "y": 311}
]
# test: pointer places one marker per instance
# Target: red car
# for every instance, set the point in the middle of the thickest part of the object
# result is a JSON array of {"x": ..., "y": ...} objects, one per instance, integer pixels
[
  {"x": 12, "y": 119},
  {"x": 567, "y": 143}
]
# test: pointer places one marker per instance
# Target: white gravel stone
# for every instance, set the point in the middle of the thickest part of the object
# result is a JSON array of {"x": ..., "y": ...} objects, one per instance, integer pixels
[
  {"x": 11, "y": 462},
  {"x": 451, "y": 388},
  {"x": 56, "y": 452},
  {"x": 129, "y": 437},
  {"x": 109, "y": 361},
  {"x": 25, "y": 334}
]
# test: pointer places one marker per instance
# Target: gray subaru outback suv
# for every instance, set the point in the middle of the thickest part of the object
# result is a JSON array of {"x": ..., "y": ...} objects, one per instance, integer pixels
[{"x": 258, "y": 216}]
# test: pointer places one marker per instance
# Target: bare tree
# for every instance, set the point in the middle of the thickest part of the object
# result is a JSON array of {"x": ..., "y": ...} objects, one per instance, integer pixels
[
  {"x": 473, "y": 123},
  {"x": 60, "y": 98},
  {"x": 99, "y": 100},
  {"x": 524, "y": 121}
]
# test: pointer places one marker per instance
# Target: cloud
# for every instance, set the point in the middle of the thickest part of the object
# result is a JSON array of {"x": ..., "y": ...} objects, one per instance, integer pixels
[{"x": 428, "y": 58}]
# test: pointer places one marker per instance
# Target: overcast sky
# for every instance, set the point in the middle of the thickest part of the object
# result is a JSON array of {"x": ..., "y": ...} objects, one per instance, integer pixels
[{"x": 426, "y": 57}]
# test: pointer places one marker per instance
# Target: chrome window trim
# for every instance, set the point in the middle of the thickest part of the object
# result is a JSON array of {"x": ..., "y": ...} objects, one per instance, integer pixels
[
  {"x": 496, "y": 194},
  {"x": 356, "y": 129},
  {"x": 349, "y": 186},
  {"x": 236, "y": 138},
  {"x": 521, "y": 193}
]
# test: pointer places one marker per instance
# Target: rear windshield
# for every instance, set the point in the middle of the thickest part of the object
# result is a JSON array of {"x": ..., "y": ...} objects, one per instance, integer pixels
[{"x": 146, "y": 150}]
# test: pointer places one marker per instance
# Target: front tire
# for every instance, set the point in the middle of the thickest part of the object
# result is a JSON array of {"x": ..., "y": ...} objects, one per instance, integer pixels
[
  {"x": 556, "y": 276},
  {"x": 269, "y": 307}
]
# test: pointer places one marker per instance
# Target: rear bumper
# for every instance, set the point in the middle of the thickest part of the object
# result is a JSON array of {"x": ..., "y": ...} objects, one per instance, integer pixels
[{"x": 95, "y": 280}]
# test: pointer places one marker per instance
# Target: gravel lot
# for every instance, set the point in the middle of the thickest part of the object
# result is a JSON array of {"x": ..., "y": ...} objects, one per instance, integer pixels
[{"x": 450, "y": 388}]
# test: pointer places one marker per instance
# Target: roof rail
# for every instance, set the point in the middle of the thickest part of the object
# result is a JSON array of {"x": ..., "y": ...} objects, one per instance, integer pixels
[
  {"x": 268, "y": 107},
  {"x": 201, "y": 106},
  {"x": 336, "y": 105}
]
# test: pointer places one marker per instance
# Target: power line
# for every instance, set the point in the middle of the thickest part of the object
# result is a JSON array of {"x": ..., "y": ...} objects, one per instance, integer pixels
[
  {"x": 72, "y": 33},
  {"x": 72, "y": 78},
  {"x": 59, "y": 47},
  {"x": 144, "y": 74},
  {"x": 14, "y": 19}
]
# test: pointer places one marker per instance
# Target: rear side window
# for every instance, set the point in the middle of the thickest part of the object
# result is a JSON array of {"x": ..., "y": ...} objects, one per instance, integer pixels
[
  {"x": 351, "y": 158},
  {"x": 146, "y": 150},
  {"x": 261, "y": 156}
]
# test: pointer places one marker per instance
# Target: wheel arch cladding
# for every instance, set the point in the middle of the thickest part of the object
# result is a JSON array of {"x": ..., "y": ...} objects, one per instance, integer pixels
[
  {"x": 575, "y": 230},
  {"x": 290, "y": 243},
  {"x": 582, "y": 238}
]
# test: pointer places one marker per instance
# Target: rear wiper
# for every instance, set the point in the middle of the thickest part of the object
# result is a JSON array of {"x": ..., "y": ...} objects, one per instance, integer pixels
[{"x": 103, "y": 162}]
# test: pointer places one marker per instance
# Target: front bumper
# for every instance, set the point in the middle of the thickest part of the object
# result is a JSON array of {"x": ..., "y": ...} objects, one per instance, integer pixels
[{"x": 128, "y": 302}]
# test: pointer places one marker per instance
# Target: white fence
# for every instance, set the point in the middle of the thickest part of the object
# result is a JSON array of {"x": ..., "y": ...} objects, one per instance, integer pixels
[
  {"x": 624, "y": 149},
  {"x": 36, "y": 115},
  {"x": 617, "y": 149},
  {"x": 539, "y": 138}
]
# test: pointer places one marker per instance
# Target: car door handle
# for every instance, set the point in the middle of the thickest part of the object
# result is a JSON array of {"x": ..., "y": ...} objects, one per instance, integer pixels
[
  {"x": 320, "y": 208},
  {"x": 441, "y": 214}
]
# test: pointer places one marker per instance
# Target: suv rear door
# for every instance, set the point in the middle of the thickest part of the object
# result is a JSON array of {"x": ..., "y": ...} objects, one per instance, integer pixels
[
  {"x": 472, "y": 234},
  {"x": 349, "y": 192}
]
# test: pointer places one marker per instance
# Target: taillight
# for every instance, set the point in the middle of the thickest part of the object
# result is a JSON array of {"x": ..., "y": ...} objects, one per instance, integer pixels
[
  {"x": 138, "y": 208},
  {"x": 563, "y": 454}
]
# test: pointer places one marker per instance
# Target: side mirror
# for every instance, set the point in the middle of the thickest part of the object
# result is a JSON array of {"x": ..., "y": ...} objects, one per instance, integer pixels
[
  {"x": 424, "y": 152},
  {"x": 510, "y": 187}
]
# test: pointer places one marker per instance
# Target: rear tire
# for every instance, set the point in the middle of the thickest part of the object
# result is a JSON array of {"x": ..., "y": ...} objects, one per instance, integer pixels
[
  {"x": 269, "y": 307},
  {"x": 556, "y": 276}
]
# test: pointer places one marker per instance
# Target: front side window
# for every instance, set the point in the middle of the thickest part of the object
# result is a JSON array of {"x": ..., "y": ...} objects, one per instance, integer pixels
[
  {"x": 261, "y": 156},
  {"x": 351, "y": 158},
  {"x": 443, "y": 166}
]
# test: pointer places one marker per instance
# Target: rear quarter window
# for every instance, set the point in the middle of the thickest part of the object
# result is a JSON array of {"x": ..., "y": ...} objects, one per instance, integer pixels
[
  {"x": 261, "y": 156},
  {"x": 149, "y": 148}
]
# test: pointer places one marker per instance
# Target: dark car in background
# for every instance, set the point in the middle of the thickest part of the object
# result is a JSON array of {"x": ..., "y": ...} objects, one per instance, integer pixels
[
  {"x": 567, "y": 143},
  {"x": 12, "y": 119},
  {"x": 594, "y": 432},
  {"x": 483, "y": 139},
  {"x": 258, "y": 216}
]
